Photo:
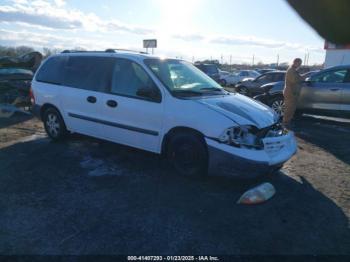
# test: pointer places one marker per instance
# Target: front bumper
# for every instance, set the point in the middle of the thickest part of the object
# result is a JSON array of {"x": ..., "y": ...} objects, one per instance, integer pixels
[{"x": 246, "y": 163}]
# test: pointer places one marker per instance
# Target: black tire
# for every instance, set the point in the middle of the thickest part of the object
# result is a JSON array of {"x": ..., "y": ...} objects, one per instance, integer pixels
[
  {"x": 187, "y": 153},
  {"x": 54, "y": 124},
  {"x": 277, "y": 104}
]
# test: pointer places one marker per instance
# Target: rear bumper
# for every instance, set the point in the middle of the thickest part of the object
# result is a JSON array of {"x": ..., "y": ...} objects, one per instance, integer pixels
[{"x": 245, "y": 163}]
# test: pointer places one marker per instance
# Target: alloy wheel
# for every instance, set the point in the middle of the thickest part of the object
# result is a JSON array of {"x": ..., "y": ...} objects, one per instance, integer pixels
[
  {"x": 278, "y": 106},
  {"x": 53, "y": 124}
]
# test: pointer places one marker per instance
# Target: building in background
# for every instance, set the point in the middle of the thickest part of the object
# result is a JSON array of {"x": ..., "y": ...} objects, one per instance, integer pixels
[{"x": 336, "y": 54}]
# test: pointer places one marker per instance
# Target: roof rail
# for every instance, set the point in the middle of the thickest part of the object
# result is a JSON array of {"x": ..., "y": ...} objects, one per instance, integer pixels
[
  {"x": 114, "y": 50},
  {"x": 110, "y": 50},
  {"x": 81, "y": 51},
  {"x": 73, "y": 51}
]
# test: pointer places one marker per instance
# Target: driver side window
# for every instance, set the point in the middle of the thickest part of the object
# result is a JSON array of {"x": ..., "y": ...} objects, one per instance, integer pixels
[
  {"x": 128, "y": 78},
  {"x": 335, "y": 76}
]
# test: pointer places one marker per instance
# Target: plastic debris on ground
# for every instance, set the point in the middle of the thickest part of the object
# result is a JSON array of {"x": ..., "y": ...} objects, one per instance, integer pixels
[{"x": 258, "y": 194}]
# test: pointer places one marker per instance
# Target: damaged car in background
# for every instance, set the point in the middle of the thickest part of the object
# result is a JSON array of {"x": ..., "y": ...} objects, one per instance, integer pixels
[
  {"x": 16, "y": 74},
  {"x": 186, "y": 115}
]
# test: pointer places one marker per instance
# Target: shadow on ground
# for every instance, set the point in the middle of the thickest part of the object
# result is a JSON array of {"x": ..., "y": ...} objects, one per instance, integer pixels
[
  {"x": 51, "y": 204},
  {"x": 331, "y": 135},
  {"x": 14, "y": 119}
]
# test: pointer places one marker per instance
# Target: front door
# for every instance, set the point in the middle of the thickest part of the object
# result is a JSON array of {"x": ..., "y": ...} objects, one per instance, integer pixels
[
  {"x": 132, "y": 110},
  {"x": 345, "y": 96},
  {"x": 323, "y": 91}
]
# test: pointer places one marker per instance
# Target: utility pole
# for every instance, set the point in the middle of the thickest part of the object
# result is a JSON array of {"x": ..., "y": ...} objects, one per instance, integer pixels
[
  {"x": 278, "y": 60},
  {"x": 253, "y": 60}
]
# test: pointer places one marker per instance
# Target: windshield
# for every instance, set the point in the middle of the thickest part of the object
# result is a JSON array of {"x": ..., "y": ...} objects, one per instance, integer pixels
[{"x": 182, "y": 78}]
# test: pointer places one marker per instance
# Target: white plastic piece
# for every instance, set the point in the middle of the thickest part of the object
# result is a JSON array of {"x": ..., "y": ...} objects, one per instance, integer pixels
[{"x": 257, "y": 194}]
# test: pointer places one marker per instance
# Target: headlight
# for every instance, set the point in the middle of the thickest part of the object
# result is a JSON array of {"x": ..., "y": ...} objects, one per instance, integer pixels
[{"x": 241, "y": 136}]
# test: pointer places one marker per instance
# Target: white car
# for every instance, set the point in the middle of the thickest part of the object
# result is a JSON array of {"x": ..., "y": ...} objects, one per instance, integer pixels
[
  {"x": 165, "y": 106},
  {"x": 235, "y": 78}
]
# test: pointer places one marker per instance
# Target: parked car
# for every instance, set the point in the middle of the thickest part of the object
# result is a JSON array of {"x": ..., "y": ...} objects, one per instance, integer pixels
[
  {"x": 324, "y": 93},
  {"x": 236, "y": 77},
  {"x": 211, "y": 70},
  {"x": 265, "y": 70},
  {"x": 165, "y": 106},
  {"x": 223, "y": 73},
  {"x": 15, "y": 86},
  {"x": 253, "y": 87},
  {"x": 310, "y": 73}
]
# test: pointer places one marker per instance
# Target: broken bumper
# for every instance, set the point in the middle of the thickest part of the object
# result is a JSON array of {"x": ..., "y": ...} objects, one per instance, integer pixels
[{"x": 246, "y": 163}]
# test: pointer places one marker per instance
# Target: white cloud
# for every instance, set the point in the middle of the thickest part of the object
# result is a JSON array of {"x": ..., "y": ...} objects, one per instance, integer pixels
[
  {"x": 44, "y": 14},
  {"x": 230, "y": 40},
  {"x": 60, "y": 3},
  {"x": 54, "y": 24},
  {"x": 40, "y": 40}
]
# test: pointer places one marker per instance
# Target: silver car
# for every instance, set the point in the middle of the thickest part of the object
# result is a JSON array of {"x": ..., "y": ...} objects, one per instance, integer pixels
[{"x": 324, "y": 93}]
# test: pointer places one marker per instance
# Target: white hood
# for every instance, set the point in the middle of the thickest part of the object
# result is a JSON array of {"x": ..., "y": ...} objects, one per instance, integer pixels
[{"x": 242, "y": 110}]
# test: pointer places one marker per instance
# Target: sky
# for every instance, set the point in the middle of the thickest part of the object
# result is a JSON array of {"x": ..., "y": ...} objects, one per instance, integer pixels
[{"x": 228, "y": 30}]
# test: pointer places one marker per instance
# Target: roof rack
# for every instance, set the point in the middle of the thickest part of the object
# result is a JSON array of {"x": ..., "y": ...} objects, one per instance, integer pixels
[
  {"x": 110, "y": 50},
  {"x": 80, "y": 51},
  {"x": 114, "y": 50}
]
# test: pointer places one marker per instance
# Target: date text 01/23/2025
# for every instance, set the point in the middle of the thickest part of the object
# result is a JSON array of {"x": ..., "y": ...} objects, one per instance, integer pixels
[{"x": 173, "y": 258}]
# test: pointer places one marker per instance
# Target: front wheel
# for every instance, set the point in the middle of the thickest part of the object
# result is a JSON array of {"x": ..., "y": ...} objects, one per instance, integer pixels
[
  {"x": 188, "y": 154},
  {"x": 278, "y": 105},
  {"x": 54, "y": 124}
]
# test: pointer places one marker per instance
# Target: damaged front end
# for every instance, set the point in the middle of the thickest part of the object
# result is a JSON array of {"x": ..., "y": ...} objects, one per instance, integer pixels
[{"x": 249, "y": 151}]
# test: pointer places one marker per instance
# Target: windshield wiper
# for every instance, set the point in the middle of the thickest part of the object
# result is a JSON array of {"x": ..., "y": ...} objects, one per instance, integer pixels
[
  {"x": 186, "y": 93},
  {"x": 214, "y": 90},
  {"x": 211, "y": 89}
]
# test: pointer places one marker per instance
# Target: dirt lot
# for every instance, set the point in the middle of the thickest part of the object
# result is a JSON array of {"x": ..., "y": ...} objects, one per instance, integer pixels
[{"x": 85, "y": 196}]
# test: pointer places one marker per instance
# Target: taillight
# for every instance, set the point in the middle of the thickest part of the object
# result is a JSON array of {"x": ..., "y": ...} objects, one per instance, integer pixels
[{"x": 31, "y": 95}]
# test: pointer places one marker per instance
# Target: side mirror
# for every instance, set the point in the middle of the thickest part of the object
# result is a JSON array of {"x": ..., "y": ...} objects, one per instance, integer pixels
[{"x": 149, "y": 93}]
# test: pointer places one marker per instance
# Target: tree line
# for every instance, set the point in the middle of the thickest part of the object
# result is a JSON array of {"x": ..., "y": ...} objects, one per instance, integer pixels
[{"x": 15, "y": 51}]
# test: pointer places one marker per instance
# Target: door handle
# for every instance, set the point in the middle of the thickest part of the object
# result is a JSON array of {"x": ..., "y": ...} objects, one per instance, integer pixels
[
  {"x": 91, "y": 99},
  {"x": 335, "y": 89},
  {"x": 112, "y": 103}
]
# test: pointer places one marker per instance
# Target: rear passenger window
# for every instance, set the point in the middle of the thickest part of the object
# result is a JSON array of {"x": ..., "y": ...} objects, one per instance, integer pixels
[
  {"x": 88, "y": 72},
  {"x": 128, "y": 77},
  {"x": 52, "y": 71}
]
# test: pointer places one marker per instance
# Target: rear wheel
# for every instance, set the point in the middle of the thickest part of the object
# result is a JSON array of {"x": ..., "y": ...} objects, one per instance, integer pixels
[
  {"x": 54, "y": 124},
  {"x": 188, "y": 154}
]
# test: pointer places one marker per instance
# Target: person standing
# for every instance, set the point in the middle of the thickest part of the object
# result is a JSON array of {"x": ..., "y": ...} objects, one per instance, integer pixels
[{"x": 291, "y": 91}]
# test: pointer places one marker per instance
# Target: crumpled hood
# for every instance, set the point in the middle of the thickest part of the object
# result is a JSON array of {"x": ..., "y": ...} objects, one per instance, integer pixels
[{"x": 241, "y": 110}]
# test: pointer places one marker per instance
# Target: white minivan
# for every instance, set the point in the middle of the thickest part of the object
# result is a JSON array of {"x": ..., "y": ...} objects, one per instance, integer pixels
[{"x": 166, "y": 106}]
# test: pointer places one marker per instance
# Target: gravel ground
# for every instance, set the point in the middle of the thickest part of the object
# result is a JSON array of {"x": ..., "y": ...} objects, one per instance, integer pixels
[{"x": 86, "y": 196}]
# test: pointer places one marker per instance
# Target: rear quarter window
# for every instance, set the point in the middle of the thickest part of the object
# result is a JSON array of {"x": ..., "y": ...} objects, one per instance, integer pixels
[
  {"x": 88, "y": 72},
  {"x": 52, "y": 71}
]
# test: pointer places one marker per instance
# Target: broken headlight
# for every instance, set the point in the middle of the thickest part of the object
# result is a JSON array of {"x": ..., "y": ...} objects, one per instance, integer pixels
[{"x": 242, "y": 136}]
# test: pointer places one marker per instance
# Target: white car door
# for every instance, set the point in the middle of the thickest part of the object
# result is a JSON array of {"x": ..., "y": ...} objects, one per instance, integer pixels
[
  {"x": 132, "y": 110},
  {"x": 86, "y": 80}
]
